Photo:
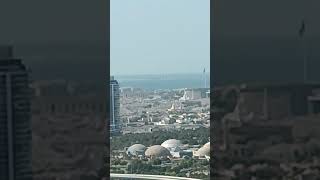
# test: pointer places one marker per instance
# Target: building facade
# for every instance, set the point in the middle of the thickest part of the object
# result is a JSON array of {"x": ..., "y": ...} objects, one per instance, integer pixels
[
  {"x": 115, "y": 124},
  {"x": 15, "y": 124}
]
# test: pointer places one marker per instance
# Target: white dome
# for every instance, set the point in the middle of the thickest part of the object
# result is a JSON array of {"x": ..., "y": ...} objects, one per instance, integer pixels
[
  {"x": 204, "y": 150},
  {"x": 171, "y": 143},
  {"x": 157, "y": 151},
  {"x": 136, "y": 149}
]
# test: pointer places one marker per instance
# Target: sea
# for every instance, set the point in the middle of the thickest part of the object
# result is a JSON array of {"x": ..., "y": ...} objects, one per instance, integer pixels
[{"x": 167, "y": 81}]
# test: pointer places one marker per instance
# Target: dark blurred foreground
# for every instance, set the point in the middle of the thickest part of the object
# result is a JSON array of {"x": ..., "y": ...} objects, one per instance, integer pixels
[{"x": 266, "y": 131}]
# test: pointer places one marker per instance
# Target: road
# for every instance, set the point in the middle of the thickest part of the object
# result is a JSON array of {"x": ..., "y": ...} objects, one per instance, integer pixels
[{"x": 150, "y": 177}]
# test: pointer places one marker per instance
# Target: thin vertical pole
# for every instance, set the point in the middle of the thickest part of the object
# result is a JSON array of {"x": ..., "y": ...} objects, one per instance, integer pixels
[{"x": 304, "y": 60}]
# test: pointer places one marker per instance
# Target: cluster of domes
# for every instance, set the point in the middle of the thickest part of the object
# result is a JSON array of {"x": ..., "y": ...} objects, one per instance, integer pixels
[
  {"x": 156, "y": 151},
  {"x": 165, "y": 149}
]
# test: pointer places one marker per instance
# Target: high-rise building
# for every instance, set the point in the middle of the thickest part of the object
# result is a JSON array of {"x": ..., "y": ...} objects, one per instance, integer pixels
[
  {"x": 205, "y": 78},
  {"x": 15, "y": 124},
  {"x": 115, "y": 124}
]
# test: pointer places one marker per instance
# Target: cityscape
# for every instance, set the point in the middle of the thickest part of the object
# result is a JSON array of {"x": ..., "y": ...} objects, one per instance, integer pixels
[
  {"x": 57, "y": 119},
  {"x": 160, "y": 131},
  {"x": 160, "y": 89},
  {"x": 156, "y": 115}
]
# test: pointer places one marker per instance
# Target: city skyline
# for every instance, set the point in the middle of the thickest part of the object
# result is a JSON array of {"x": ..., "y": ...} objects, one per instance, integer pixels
[{"x": 145, "y": 40}]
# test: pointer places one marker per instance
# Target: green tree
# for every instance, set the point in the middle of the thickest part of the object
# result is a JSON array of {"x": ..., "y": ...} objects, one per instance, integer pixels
[{"x": 156, "y": 162}]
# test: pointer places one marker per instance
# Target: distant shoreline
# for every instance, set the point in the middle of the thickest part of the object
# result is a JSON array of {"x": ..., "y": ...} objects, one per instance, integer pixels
[
  {"x": 168, "y": 81},
  {"x": 164, "y": 74}
]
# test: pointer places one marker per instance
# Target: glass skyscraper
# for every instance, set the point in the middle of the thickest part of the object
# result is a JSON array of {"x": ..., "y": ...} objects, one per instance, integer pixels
[
  {"x": 15, "y": 124},
  {"x": 115, "y": 125}
]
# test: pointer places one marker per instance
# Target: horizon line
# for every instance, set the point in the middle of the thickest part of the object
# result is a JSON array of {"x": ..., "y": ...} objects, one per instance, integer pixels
[{"x": 144, "y": 74}]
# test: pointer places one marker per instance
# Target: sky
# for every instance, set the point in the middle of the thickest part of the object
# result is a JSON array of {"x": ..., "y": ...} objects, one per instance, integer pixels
[{"x": 159, "y": 36}]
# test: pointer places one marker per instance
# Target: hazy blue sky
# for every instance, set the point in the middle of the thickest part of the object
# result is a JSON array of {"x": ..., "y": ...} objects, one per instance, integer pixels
[{"x": 159, "y": 36}]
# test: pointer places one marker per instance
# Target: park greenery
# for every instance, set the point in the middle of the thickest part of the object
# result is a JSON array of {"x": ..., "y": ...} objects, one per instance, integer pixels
[
  {"x": 198, "y": 136},
  {"x": 185, "y": 167},
  {"x": 180, "y": 168}
]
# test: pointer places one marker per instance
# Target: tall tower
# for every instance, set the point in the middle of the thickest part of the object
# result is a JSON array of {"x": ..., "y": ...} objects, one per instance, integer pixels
[
  {"x": 304, "y": 48},
  {"x": 204, "y": 78},
  {"x": 15, "y": 124},
  {"x": 115, "y": 125}
]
